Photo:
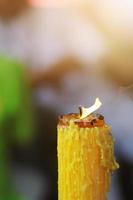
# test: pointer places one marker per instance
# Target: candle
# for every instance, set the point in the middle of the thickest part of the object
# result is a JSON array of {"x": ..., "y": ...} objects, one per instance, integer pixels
[{"x": 85, "y": 156}]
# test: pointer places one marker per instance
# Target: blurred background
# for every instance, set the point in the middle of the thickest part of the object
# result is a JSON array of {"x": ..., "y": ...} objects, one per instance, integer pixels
[{"x": 55, "y": 56}]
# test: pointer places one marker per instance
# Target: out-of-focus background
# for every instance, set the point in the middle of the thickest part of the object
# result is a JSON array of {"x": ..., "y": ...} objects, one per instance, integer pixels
[{"x": 55, "y": 56}]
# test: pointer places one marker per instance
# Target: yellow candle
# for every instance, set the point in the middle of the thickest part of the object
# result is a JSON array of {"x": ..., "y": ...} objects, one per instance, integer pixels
[{"x": 85, "y": 157}]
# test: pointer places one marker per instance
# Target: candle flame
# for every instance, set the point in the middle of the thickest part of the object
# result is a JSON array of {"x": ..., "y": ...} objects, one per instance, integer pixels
[{"x": 84, "y": 112}]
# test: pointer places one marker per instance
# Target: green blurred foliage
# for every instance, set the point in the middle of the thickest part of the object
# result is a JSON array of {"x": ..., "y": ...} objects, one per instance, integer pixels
[
  {"x": 15, "y": 108},
  {"x": 16, "y": 121}
]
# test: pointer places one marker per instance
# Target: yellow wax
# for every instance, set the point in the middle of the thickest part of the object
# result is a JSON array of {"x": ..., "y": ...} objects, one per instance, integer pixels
[{"x": 85, "y": 162}]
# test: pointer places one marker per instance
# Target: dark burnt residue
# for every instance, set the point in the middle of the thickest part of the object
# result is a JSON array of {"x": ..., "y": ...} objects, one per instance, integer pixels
[{"x": 93, "y": 120}]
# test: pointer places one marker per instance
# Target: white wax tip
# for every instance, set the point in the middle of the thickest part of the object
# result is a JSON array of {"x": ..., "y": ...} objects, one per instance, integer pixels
[{"x": 87, "y": 111}]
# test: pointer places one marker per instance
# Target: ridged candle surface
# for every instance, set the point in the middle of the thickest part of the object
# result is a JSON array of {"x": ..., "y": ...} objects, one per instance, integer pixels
[{"x": 85, "y": 162}]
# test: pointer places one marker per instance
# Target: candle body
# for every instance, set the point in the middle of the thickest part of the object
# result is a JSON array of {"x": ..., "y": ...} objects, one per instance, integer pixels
[{"x": 85, "y": 162}]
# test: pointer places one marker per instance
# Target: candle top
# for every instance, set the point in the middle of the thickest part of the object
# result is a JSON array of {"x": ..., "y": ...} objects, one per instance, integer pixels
[
  {"x": 86, "y": 118},
  {"x": 93, "y": 120}
]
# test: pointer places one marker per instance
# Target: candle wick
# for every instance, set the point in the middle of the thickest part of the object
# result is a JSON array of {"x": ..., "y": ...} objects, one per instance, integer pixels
[{"x": 85, "y": 112}]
